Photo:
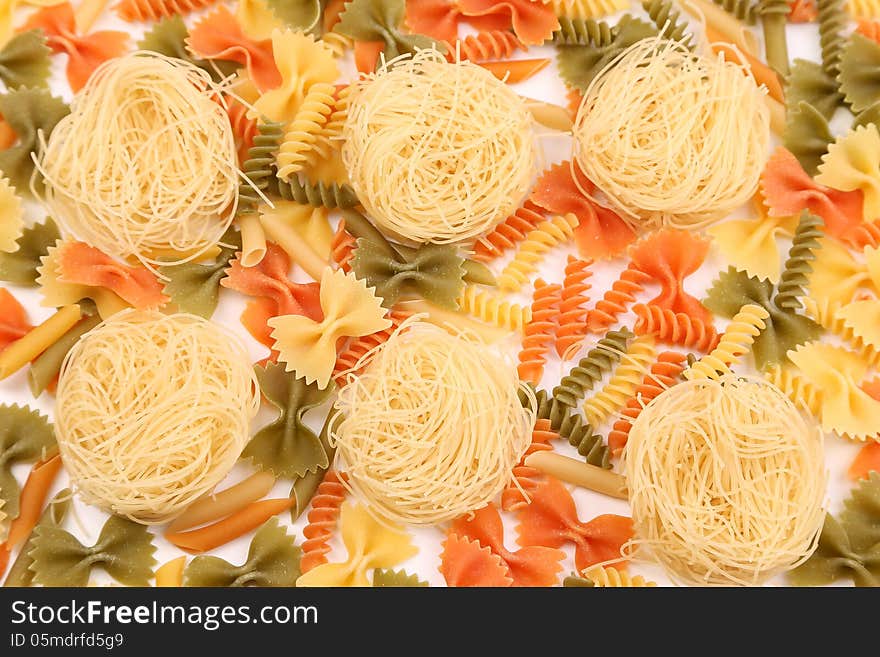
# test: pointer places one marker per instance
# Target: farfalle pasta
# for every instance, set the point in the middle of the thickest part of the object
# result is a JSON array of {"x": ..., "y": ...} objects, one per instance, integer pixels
[
  {"x": 301, "y": 62},
  {"x": 852, "y": 163},
  {"x": 308, "y": 347},
  {"x": 24, "y": 60},
  {"x": 552, "y": 520},
  {"x": 287, "y": 447},
  {"x": 668, "y": 257},
  {"x": 272, "y": 560},
  {"x": 218, "y": 36},
  {"x": 84, "y": 52},
  {"x": 845, "y": 408},
  {"x": 369, "y": 545}
]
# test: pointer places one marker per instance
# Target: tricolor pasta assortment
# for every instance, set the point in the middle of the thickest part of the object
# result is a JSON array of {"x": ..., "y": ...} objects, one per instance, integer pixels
[{"x": 469, "y": 308}]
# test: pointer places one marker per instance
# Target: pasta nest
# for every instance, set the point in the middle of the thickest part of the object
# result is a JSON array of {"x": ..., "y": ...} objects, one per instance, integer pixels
[
  {"x": 153, "y": 411},
  {"x": 433, "y": 427},
  {"x": 672, "y": 137},
  {"x": 145, "y": 166},
  {"x": 726, "y": 481},
  {"x": 437, "y": 151}
]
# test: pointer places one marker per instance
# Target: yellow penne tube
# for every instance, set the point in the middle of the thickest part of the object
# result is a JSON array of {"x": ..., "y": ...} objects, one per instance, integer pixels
[
  {"x": 219, "y": 505},
  {"x": 725, "y": 24},
  {"x": 579, "y": 473},
  {"x": 253, "y": 240},
  {"x": 171, "y": 573},
  {"x": 294, "y": 245},
  {"x": 37, "y": 340},
  {"x": 548, "y": 115}
]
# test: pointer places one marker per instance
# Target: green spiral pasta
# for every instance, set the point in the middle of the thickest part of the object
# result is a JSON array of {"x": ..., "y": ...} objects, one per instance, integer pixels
[
  {"x": 774, "y": 14},
  {"x": 583, "y": 32},
  {"x": 743, "y": 10},
  {"x": 318, "y": 194},
  {"x": 833, "y": 22},
  {"x": 591, "y": 368},
  {"x": 571, "y": 427},
  {"x": 666, "y": 18},
  {"x": 795, "y": 275},
  {"x": 582, "y": 437},
  {"x": 259, "y": 167}
]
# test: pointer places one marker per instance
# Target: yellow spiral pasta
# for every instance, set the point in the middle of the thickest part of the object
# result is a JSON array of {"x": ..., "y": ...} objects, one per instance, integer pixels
[
  {"x": 534, "y": 248},
  {"x": 493, "y": 309},
  {"x": 302, "y": 133},
  {"x": 613, "y": 578},
  {"x": 745, "y": 326},
  {"x": 628, "y": 375}
]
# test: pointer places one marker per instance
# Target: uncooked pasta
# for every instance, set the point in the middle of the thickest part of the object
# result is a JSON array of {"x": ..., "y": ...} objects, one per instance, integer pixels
[
  {"x": 153, "y": 411},
  {"x": 672, "y": 137},
  {"x": 437, "y": 151},
  {"x": 726, "y": 481},
  {"x": 433, "y": 427},
  {"x": 145, "y": 162}
]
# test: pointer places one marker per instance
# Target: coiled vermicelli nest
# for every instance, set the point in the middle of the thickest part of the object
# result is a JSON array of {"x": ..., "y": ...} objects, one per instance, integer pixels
[
  {"x": 153, "y": 411},
  {"x": 726, "y": 481},
  {"x": 670, "y": 136},
  {"x": 437, "y": 151}
]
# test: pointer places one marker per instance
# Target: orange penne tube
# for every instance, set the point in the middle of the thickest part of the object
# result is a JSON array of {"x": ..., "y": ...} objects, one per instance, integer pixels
[
  {"x": 366, "y": 54},
  {"x": 228, "y": 529},
  {"x": 33, "y": 499},
  {"x": 515, "y": 70},
  {"x": 218, "y": 505},
  {"x": 762, "y": 73}
]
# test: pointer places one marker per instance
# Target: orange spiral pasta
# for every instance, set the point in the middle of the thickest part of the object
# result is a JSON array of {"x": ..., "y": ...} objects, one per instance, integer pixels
[
  {"x": 484, "y": 46},
  {"x": 664, "y": 374},
  {"x": 342, "y": 247},
  {"x": 508, "y": 233},
  {"x": 357, "y": 348},
  {"x": 538, "y": 333},
  {"x": 676, "y": 328},
  {"x": 526, "y": 478},
  {"x": 617, "y": 300},
  {"x": 323, "y": 519},
  {"x": 154, "y": 10},
  {"x": 572, "y": 314}
]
